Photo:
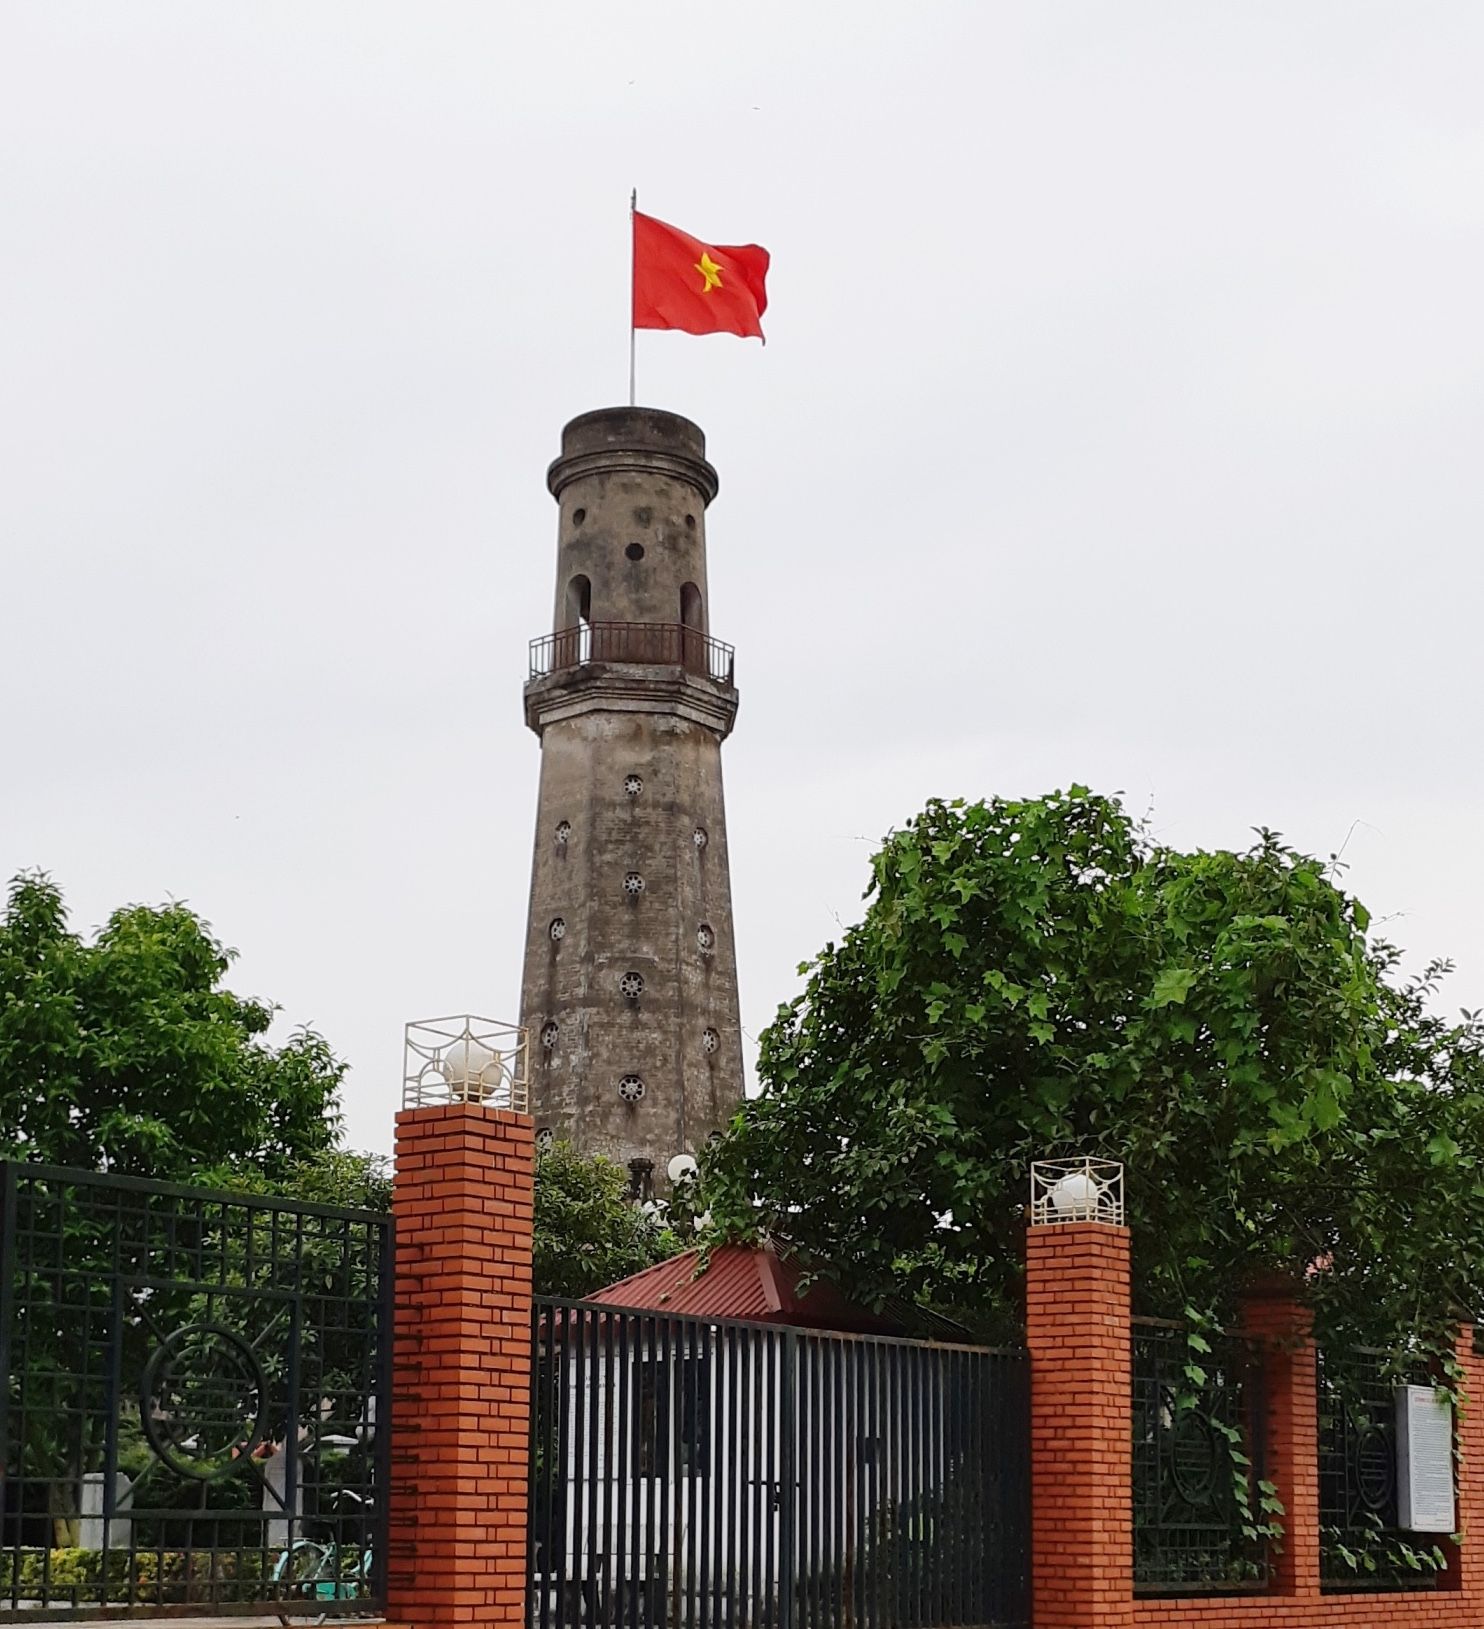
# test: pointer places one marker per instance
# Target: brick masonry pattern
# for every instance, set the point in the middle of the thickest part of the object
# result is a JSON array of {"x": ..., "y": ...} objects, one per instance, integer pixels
[
  {"x": 1079, "y": 1337},
  {"x": 462, "y": 1199}
]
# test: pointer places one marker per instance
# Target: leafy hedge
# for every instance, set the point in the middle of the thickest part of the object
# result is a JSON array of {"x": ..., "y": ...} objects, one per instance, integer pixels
[{"x": 154, "y": 1577}]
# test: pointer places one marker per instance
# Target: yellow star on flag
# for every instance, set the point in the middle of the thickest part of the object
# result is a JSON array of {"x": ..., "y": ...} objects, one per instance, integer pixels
[{"x": 710, "y": 271}]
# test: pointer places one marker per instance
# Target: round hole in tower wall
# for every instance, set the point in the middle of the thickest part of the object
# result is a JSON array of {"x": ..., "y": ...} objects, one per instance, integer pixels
[
  {"x": 557, "y": 930},
  {"x": 545, "y": 1137},
  {"x": 631, "y": 986},
  {"x": 549, "y": 1033},
  {"x": 635, "y": 551},
  {"x": 631, "y": 1088},
  {"x": 710, "y": 1040},
  {"x": 698, "y": 837},
  {"x": 706, "y": 938},
  {"x": 633, "y": 883},
  {"x": 578, "y": 516},
  {"x": 632, "y": 785},
  {"x": 563, "y": 832}
]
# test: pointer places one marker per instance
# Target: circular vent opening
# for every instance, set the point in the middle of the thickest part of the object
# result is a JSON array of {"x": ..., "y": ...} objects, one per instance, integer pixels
[
  {"x": 631, "y": 985},
  {"x": 635, "y": 551},
  {"x": 563, "y": 831},
  {"x": 545, "y": 1137},
  {"x": 557, "y": 930},
  {"x": 632, "y": 785},
  {"x": 549, "y": 1033},
  {"x": 631, "y": 1088},
  {"x": 633, "y": 883},
  {"x": 698, "y": 837},
  {"x": 710, "y": 1040},
  {"x": 705, "y": 938}
]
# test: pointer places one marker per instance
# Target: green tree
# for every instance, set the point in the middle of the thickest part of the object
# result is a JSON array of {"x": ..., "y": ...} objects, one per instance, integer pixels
[
  {"x": 1039, "y": 978},
  {"x": 125, "y": 1053},
  {"x": 588, "y": 1233}
]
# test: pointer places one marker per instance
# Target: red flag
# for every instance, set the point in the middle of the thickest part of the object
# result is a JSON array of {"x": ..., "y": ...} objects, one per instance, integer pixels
[{"x": 701, "y": 288}]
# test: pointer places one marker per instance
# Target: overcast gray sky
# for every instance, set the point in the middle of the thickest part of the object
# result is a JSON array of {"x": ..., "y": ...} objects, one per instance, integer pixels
[{"x": 1120, "y": 421}]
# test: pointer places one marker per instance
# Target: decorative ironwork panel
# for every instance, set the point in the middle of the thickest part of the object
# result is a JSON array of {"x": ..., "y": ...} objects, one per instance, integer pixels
[
  {"x": 195, "y": 1417},
  {"x": 705, "y": 1473},
  {"x": 1360, "y": 1545},
  {"x": 1198, "y": 1463}
]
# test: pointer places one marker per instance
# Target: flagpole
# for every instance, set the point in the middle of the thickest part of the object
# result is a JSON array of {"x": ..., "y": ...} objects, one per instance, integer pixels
[{"x": 633, "y": 207}]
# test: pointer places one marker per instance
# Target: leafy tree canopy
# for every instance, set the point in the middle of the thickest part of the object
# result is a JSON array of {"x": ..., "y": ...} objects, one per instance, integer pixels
[
  {"x": 588, "y": 1232},
  {"x": 125, "y": 1053},
  {"x": 1035, "y": 979}
]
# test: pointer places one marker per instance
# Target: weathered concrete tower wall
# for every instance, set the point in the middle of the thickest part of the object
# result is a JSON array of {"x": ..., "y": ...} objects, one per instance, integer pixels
[{"x": 630, "y": 989}]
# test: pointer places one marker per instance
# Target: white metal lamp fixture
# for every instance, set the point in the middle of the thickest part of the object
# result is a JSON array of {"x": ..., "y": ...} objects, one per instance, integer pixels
[
  {"x": 464, "y": 1060},
  {"x": 1078, "y": 1190}
]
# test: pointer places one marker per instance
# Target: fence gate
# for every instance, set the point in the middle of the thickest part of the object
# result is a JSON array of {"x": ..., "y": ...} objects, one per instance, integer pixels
[
  {"x": 189, "y": 1420},
  {"x": 699, "y": 1473}
]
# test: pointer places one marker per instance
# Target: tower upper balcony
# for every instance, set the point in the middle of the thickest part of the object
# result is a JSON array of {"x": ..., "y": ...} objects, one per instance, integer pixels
[{"x": 653, "y": 644}]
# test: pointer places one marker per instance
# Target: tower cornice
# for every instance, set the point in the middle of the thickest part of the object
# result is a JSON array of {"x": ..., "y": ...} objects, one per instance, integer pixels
[
  {"x": 695, "y": 472},
  {"x": 633, "y": 441},
  {"x": 630, "y": 687}
]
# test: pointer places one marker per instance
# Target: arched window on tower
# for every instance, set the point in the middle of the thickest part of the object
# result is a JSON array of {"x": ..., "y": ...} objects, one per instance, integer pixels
[
  {"x": 692, "y": 628},
  {"x": 574, "y": 642}
]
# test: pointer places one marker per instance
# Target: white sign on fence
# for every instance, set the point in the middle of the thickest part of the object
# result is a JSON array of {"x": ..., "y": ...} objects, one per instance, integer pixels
[{"x": 1424, "y": 1459}]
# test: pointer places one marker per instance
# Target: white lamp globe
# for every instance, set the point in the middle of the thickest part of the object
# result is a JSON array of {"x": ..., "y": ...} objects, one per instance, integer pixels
[
  {"x": 1077, "y": 1195},
  {"x": 682, "y": 1167},
  {"x": 470, "y": 1068}
]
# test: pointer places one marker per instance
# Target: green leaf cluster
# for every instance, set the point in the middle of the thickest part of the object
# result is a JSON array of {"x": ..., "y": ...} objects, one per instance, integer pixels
[
  {"x": 1039, "y": 978},
  {"x": 588, "y": 1232},
  {"x": 126, "y": 1053}
]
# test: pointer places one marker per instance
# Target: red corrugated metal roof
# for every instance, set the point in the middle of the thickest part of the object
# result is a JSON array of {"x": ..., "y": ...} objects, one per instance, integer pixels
[{"x": 743, "y": 1281}]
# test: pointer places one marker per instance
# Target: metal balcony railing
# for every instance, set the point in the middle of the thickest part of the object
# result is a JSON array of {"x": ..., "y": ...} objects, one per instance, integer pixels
[{"x": 658, "y": 644}]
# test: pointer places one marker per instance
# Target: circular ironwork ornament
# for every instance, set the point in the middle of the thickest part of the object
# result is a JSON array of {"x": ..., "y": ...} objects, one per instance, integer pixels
[
  {"x": 1375, "y": 1467},
  {"x": 1194, "y": 1460},
  {"x": 203, "y": 1401}
]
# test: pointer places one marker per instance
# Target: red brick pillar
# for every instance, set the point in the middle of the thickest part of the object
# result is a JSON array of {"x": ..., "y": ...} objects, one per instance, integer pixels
[
  {"x": 1277, "y": 1319},
  {"x": 1466, "y": 1563},
  {"x": 1079, "y": 1337},
  {"x": 461, "y": 1369}
]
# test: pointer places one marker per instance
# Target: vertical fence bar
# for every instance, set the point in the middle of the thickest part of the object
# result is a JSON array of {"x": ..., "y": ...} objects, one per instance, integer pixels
[
  {"x": 809, "y": 1479},
  {"x": 730, "y": 1526},
  {"x": 609, "y": 1561},
  {"x": 666, "y": 1463},
  {"x": 646, "y": 1451},
  {"x": 789, "y": 1416},
  {"x": 835, "y": 1351},
  {"x": 623, "y": 1547},
  {"x": 701, "y": 1424},
  {"x": 11, "y": 1549},
  {"x": 573, "y": 1436},
  {"x": 592, "y": 1494},
  {"x": 774, "y": 1419},
  {"x": 755, "y": 1614}
]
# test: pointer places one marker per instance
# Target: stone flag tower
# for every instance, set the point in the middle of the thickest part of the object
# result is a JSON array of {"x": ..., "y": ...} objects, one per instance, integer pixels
[{"x": 630, "y": 988}]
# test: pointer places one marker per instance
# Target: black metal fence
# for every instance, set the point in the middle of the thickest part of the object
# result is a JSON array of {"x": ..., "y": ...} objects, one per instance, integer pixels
[
  {"x": 708, "y": 1474},
  {"x": 658, "y": 644},
  {"x": 194, "y": 1416},
  {"x": 1360, "y": 1544},
  {"x": 1198, "y": 1462}
]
